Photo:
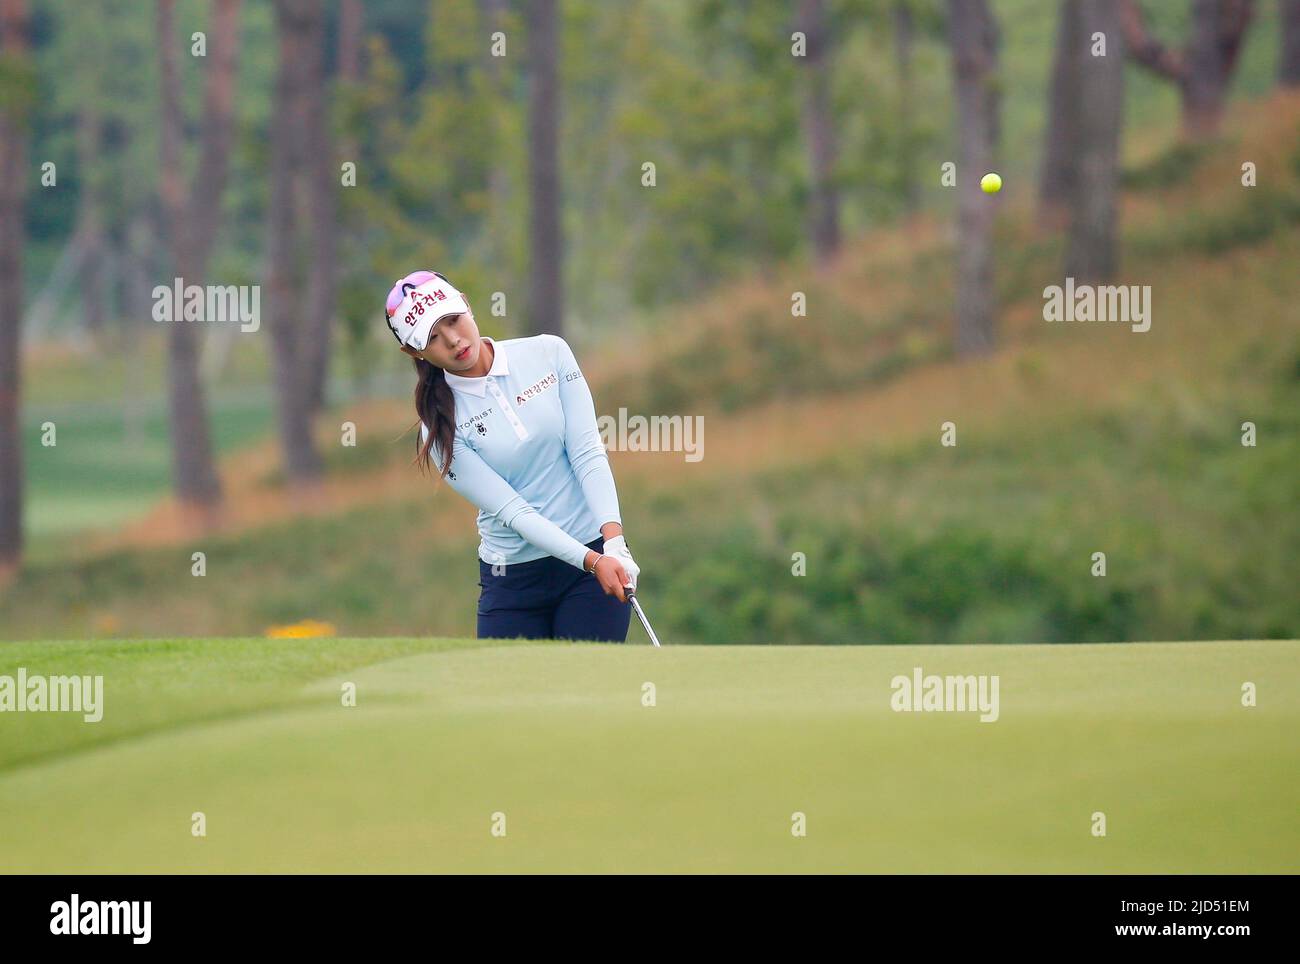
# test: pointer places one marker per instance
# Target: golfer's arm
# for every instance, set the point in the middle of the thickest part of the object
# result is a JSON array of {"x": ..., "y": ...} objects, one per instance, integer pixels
[
  {"x": 583, "y": 445},
  {"x": 540, "y": 531},
  {"x": 483, "y": 486}
]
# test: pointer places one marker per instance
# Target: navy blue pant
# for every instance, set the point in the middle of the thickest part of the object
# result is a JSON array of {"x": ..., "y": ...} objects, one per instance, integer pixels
[{"x": 548, "y": 599}]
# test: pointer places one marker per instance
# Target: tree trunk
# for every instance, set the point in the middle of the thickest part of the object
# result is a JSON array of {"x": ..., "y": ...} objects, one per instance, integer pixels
[
  {"x": 324, "y": 174},
  {"x": 974, "y": 39},
  {"x": 492, "y": 14},
  {"x": 1090, "y": 256},
  {"x": 349, "y": 68},
  {"x": 1203, "y": 68},
  {"x": 546, "y": 255},
  {"x": 90, "y": 231},
  {"x": 140, "y": 266},
  {"x": 193, "y": 223},
  {"x": 1288, "y": 61},
  {"x": 297, "y": 30},
  {"x": 904, "y": 41},
  {"x": 351, "y": 22},
  {"x": 14, "y": 131},
  {"x": 819, "y": 129},
  {"x": 217, "y": 130},
  {"x": 1210, "y": 58},
  {"x": 171, "y": 179},
  {"x": 1056, "y": 182}
]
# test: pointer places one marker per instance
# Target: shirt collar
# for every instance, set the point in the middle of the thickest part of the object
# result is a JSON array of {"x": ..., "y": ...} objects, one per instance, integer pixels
[{"x": 478, "y": 386}]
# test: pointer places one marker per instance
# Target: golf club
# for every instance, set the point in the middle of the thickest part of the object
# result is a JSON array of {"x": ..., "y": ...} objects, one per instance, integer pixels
[{"x": 631, "y": 597}]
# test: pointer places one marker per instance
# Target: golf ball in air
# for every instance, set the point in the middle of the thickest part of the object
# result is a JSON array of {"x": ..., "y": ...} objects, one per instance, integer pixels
[{"x": 991, "y": 183}]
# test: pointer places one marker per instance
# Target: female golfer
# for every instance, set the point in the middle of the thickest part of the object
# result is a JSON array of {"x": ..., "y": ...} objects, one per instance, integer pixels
[{"x": 513, "y": 428}]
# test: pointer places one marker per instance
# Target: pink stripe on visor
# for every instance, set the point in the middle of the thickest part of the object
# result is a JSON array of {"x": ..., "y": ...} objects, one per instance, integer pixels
[{"x": 395, "y": 296}]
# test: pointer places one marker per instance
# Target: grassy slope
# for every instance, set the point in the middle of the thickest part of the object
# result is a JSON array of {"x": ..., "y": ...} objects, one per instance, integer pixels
[
  {"x": 89, "y": 396},
  {"x": 445, "y": 733},
  {"x": 1072, "y": 440}
]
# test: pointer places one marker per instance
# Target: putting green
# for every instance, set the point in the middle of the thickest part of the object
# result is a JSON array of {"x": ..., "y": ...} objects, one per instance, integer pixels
[{"x": 445, "y": 734}]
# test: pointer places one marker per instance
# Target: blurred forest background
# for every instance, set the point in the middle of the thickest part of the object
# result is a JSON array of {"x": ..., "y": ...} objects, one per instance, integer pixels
[{"x": 322, "y": 149}]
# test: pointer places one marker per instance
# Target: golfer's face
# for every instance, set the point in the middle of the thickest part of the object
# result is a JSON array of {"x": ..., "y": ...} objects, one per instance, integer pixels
[{"x": 453, "y": 345}]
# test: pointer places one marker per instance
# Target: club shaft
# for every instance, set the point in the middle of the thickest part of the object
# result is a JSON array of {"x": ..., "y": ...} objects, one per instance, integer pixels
[{"x": 641, "y": 616}]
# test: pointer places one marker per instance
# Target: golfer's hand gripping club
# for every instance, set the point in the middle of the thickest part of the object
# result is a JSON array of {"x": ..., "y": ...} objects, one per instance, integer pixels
[
  {"x": 616, "y": 546},
  {"x": 611, "y": 575}
]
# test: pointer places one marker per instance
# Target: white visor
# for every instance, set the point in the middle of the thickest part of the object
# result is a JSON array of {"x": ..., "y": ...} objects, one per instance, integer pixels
[{"x": 422, "y": 308}]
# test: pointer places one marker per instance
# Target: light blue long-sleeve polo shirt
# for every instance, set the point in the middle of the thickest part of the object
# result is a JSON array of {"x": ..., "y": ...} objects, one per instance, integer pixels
[{"x": 528, "y": 453}]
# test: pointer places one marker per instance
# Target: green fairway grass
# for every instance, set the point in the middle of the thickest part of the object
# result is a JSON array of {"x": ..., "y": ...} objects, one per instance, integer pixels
[
  {"x": 97, "y": 475},
  {"x": 445, "y": 733}
]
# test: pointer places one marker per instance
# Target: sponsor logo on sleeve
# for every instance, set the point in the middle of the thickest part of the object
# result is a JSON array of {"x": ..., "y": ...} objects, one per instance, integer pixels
[{"x": 532, "y": 391}]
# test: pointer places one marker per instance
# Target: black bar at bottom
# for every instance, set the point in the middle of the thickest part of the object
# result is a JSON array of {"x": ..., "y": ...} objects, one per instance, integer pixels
[{"x": 333, "y": 913}]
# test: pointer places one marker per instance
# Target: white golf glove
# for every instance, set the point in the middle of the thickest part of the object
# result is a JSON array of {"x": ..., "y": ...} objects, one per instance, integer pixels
[{"x": 617, "y": 547}]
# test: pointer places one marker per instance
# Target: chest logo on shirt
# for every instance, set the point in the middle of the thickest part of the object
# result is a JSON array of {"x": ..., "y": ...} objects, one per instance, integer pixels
[
  {"x": 477, "y": 422},
  {"x": 532, "y": 391}
]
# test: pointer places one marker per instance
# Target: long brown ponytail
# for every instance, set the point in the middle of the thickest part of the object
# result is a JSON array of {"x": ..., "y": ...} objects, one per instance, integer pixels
[{"x": 436, "y": 406}]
